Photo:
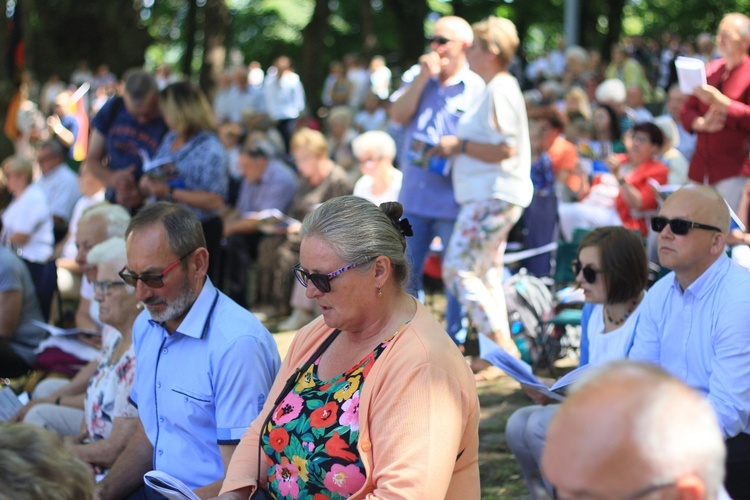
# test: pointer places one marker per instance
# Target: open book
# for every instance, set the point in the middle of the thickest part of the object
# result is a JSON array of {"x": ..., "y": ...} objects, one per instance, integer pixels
[
  {"x": 61, "y": 332},
  {"x": 9, "y": 404},
  {"x": 519, "y": 370},
  {"x": 171, "y": 487},
  {"x": 271, "y": 219}
]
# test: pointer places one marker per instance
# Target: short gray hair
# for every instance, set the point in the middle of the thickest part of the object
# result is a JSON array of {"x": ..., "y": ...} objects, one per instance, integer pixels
[
  {"x": 184, "y": 230},
  {"x": 115, "y": 217},
  {"x": 55, "y": 147},
  {"x": 111, "y": 251},
  {"x": 375, "y": 141},
  {"x": 611, "y": 90},
  {"x": 358, "y": 231},
  {"x": 139, "y": 84}
]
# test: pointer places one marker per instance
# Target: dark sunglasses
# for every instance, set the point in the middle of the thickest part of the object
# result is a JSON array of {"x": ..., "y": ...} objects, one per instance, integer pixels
[
  {"x": 679, "y": 227},
  {"x": 321, "y": 281},
  {"x": 589, "y": 273},
  {"x": 150, "y": 280},
  {"x": 440, "y": 40}
]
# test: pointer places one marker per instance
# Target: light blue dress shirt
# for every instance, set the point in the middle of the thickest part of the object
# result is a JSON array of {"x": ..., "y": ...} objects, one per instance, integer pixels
[
  {"x": 202, "y": 386},
  {"x": 702, "y": 336},
  {"x": 426, "y": 193}
]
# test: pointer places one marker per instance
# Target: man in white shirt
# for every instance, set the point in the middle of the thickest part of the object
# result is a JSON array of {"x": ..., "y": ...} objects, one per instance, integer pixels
[
  {"x": 59, "y": 183},
  {"x": 694, "y": 321}
]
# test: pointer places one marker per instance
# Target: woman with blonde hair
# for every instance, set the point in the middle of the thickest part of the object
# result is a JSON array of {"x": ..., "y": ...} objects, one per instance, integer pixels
[
  {"x": 191, "y": 166},
  {"x": 491, "y": 181}
]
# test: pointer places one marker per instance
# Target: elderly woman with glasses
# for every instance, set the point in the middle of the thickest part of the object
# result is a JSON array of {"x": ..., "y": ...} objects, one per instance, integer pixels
[
  {"x": 373, "y": 399},
  {"x": 612, "y": 270},
  {"x": 100, "y": 421}
]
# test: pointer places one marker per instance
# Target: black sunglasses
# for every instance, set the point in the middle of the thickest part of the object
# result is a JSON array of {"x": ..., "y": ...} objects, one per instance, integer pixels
[
  {"x": 321, "y": 281},
  {"x": 150, "y": 280},
  {"x": 589, "y": 273},
  {"x": 440, "y": 40},
  {"x": 679, "y": 227}
]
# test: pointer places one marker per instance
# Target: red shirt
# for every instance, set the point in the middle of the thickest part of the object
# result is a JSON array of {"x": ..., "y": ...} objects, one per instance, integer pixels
[
  {"x": 722, "y": 154},
  {"x": 638, "y": 178}
]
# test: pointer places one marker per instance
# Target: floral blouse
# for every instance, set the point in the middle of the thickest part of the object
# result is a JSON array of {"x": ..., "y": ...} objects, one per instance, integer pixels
[
  {"x": 109, "y": 388},
  {"x": 311, "y": 439}
]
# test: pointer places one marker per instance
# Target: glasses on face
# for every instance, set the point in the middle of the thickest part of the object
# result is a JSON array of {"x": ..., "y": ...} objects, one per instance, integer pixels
[
  {"x": 542, "y": 493},
  {"x": 680, "y": 227},
  {"x": 640, "y": 139},
  {"x": 589, "y": 273},
  {"x": 440, "y": 40},
  {"x": 150, "y": 280},
  {"x": 254, "y": 153},
  {"x": 321, "y": 281},
  {"x": 102, "y": 287}
]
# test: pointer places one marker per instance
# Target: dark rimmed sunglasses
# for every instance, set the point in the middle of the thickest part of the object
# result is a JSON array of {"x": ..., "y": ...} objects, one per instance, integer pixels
[
  {"x": 679, "y": 227},
  {"x": 321, "y": 281},
  {"x": 440, "y": 40},
  {"x": 150, "y": 280},
  {"x": 589, "y": 273}
]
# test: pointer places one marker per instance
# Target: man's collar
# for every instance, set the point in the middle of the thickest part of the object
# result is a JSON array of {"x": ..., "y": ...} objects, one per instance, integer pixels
[
  {"x": 196, "y": 321},
  {"x": 703, "y": 284}
]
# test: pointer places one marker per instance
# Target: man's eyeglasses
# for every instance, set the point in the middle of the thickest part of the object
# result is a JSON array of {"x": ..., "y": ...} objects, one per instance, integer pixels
[
  {"x": 150, "y": 280},
  {"x": 254, "y": 153},
  {"x": 321, "y": 281},
  {"x": 679, "y": 227},
  {"x": 103, "y": 287},
  {"x": 589, "y": 273},
  {"x": 440, "y": 40}
]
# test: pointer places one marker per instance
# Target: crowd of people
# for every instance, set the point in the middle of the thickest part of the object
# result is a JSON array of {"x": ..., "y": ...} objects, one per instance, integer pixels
[{"x": 193, "y": 223}]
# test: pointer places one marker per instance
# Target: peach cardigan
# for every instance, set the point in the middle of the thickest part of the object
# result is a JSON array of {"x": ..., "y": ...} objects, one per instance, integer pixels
[{"x": 418, "y": 417}]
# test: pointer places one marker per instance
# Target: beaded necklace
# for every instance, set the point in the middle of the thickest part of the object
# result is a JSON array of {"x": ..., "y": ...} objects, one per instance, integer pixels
[{"x": 625, "y": 316}]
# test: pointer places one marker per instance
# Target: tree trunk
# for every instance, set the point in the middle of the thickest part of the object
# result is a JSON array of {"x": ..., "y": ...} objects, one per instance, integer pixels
[
  {"x": 215, "y": 29},
  {"x": 310, "y": 70},
  {"x": 409, "y": 16},
  {"x": 191, "y": 23}
]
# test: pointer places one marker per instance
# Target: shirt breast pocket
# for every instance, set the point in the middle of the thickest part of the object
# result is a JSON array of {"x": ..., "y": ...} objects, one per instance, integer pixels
[{"x": 193, "y": 403}]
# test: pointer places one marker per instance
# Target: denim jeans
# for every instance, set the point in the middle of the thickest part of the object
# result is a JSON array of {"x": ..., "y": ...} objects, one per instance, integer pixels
[{"x": 417, "y": 248}]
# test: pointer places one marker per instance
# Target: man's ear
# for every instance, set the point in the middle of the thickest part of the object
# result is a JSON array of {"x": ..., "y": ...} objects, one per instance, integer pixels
[
  {"x": 199, "y": 262},
  {"x": 718, "y": 244},
  {"x": 690, "y": 487}
]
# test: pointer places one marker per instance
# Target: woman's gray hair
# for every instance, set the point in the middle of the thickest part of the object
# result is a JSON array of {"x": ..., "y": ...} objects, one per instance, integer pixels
[
  {"x": 115, "y": 217},
  {"x": 375, "y": 141},
  {"x": 358, "y": 231},
  {"x": 111, "y": 251}
]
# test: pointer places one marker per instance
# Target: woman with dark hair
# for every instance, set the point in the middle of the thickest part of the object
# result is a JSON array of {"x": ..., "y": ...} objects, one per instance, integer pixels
[
  {"x": 191, "y": 166},
  {"x": 607, "y": 138},
  {"x": 621, "y": 195},
  {"x": 373, "y": 399},
  {"x": 612, "y": 270}
]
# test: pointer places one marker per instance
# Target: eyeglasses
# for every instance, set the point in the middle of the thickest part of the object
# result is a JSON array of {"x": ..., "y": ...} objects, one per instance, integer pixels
[
  {"x": 321, "y": 281},
  {"x": 589, "y": 273},
  {"x": 254, "y": 153},
  {"x": 150, "y": 280},
  {"x": 679, "y": 227},
  {"x": 440, "y": 40},
  {"x": 103, "y": 287},
  {"x": 541, "y": 492}
]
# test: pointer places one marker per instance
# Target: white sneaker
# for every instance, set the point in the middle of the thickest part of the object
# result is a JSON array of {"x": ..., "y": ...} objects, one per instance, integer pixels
[{"x": 297, "y": 320}]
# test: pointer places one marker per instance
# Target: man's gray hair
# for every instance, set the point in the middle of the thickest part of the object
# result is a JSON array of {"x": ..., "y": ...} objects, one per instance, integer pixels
[
  {"x": 139, "y": 84},
  {"x": 184, "y": 230}
]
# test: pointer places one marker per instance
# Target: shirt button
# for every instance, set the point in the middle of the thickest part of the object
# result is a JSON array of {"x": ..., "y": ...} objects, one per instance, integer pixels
[
  {"x": 366, "y": 446},
  {"x": 161, "y": 452},
  {"x": 158, "y": 385},
  {"x": 161, "y": 420},
  {"x": 165, "y": 350}
]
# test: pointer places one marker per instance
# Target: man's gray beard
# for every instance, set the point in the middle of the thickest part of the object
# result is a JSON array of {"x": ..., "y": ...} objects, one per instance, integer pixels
[{"x": 178, "y": 307}]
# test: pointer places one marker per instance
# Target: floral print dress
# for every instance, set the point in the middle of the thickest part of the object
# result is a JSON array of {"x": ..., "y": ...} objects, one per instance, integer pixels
[{"x": 311, "y": 439}]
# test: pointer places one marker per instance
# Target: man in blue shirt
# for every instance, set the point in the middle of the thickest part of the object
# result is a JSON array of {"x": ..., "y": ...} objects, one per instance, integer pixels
[
  {"x": 268, "y": 184},
  {"x": 694, "y": 321},
  {"x": 204, "y": 364},
  {"x": 124, "y": 131},
  {"x": 435, "y": 94}
]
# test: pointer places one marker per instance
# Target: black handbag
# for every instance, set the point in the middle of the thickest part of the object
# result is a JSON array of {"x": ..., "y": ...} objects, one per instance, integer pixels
[{"x": 261, "y": 493}]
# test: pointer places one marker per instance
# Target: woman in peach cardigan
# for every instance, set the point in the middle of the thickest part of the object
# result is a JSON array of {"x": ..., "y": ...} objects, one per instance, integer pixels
[{"x": 389, "y": 409}]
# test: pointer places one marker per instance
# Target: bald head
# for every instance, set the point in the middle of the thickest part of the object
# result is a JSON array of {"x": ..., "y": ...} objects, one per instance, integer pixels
[
  {"x": 740, "y": 21},
  {"x": 459, "y": 28},
  {"x": 704, "y": 203},
  {"x": 630, "y": 427}
]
